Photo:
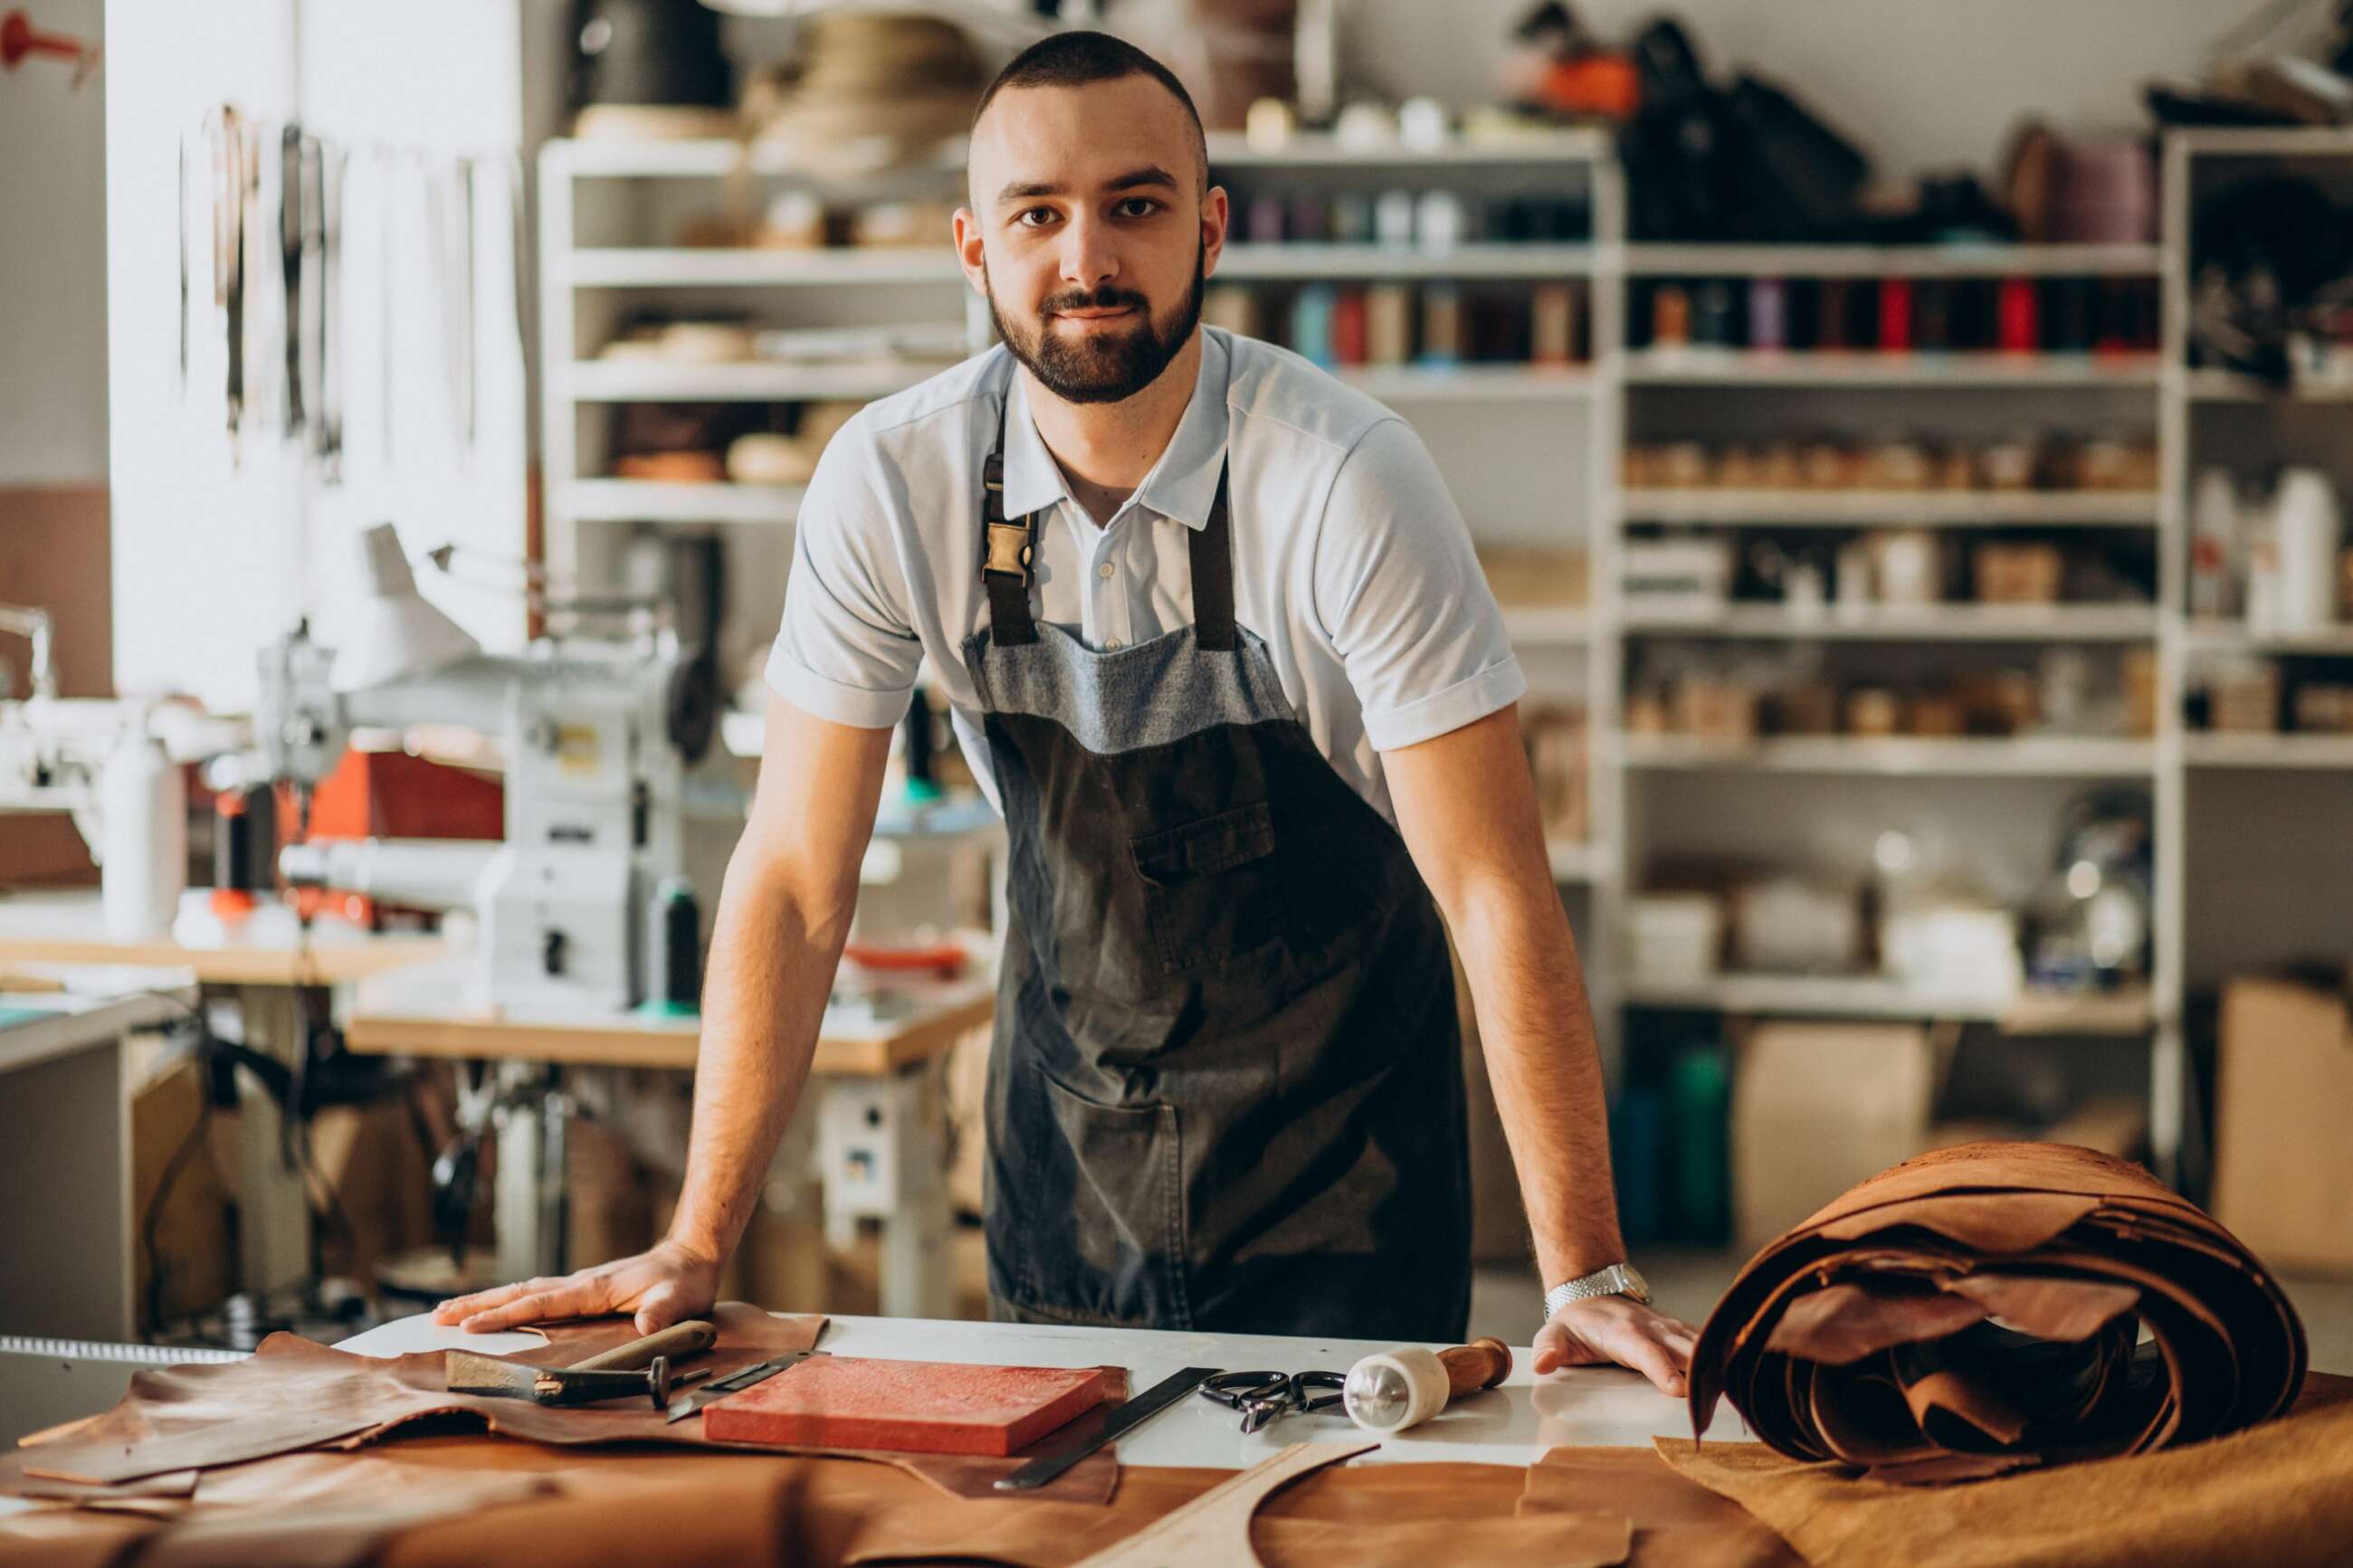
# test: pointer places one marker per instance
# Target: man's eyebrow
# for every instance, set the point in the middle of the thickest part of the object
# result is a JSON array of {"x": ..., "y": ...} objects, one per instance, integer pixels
[{"x": 1150, "y": 174}]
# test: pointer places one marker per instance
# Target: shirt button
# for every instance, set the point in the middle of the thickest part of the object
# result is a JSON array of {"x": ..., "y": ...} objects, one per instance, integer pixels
[
  {"x": 1105, "y": 571},
  {"x": 1113, "y": 646}
]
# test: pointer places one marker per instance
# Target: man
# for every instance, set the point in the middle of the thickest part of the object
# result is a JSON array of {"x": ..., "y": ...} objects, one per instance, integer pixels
[{"x": 1219, "y": 647}]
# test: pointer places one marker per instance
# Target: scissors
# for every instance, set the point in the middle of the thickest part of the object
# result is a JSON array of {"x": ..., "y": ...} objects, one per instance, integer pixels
[{"x": 1265, "y": 1397}]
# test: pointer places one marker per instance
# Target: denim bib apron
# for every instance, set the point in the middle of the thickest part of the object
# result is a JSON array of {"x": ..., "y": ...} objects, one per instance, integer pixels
[{"x": 1226, "y": 1091}]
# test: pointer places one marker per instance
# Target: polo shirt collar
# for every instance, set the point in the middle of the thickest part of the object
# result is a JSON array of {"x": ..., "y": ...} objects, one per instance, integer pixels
[{"x": 1182, "y": 485}]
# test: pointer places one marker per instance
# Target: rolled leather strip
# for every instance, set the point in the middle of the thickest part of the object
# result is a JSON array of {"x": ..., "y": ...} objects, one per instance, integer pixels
[{"x": 1996, "y": 1306}]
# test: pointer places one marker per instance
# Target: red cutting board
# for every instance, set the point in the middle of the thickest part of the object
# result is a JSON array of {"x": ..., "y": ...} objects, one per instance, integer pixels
[{"x": 905, "y": 1406}]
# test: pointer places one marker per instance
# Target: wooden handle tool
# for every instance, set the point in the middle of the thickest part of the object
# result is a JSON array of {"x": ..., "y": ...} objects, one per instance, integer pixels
[
  {"x": 677, "y": 1341},
  {"x": 1401, "y": 1388}
]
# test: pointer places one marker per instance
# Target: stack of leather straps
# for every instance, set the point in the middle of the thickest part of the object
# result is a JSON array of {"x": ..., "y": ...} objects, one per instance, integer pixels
[{"x": 1981, "y": 1308}]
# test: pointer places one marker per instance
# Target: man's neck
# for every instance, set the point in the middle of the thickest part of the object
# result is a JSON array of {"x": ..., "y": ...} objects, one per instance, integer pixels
[{"x": 1105, "y": 449}]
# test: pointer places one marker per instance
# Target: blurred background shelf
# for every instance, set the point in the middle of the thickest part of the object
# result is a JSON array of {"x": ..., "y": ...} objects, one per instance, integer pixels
[
  {"x": 2031, "y": 756},
  {"x": 1946, "y": 509}
]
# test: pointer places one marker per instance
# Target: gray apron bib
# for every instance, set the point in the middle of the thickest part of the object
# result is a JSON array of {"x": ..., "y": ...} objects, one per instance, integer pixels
[{"x": 1226, "y": 1091}]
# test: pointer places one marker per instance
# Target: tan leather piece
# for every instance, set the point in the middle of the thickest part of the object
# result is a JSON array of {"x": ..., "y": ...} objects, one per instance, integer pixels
[
  {"x": 1677, "y": 1522},
  {"x": 1978, "y": 1309},
  {"x": 292, "y": 1394},
  {"x": 2280, "y": 1493}
]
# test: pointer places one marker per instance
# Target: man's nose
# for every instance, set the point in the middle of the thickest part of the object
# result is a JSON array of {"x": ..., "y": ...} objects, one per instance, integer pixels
[{"x": 1088, "y": 257}]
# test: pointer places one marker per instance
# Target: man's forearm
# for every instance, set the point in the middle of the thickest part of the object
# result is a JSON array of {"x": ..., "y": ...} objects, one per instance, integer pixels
[
  {"x": 1536, "y": 1030},
  {"x": 774, "y": 948}
]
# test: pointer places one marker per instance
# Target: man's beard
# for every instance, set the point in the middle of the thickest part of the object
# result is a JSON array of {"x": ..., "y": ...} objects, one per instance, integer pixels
[{"x": 1102, "y": 367}]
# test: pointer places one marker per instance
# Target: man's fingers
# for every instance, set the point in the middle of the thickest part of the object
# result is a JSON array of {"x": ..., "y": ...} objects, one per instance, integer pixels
[
  {"x": 1551, "y": 1347},
  {"x": 558, "y": 1299},
  {"x": 1652, "y": 1359},
  {"x": 459, "y": 1307},
  {"x": 522, "y": 1310},
  {"x": 658, "y": 1309}
]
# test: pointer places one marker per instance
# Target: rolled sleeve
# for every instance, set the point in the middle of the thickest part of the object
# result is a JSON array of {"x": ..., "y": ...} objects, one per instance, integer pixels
[
  {"x": 1402, "y": 599},
  {"x": 846, "y": 650}
]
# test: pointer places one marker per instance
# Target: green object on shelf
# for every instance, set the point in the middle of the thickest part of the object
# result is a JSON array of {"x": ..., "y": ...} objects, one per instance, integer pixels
[
  {"x": 656, "y": 1008},
  {"x": 924, "y": 790},
  {"x": 1698, "y": 1109}
]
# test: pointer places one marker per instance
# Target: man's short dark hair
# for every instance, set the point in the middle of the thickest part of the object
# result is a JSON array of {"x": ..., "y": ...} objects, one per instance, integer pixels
[{"x": 1077, "y": 58}]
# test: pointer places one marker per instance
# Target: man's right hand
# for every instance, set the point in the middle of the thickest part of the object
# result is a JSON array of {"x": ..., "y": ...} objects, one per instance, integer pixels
[{"x": 667, "y": 1285}]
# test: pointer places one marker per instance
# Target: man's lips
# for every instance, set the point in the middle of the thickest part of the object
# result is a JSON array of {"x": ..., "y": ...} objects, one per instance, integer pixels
[{"x": 1098, "y": 314}]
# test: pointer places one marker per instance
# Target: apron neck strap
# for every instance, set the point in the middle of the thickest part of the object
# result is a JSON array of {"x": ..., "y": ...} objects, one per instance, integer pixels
[
  {"x": 1212, "y": 552},
  {"x": 1007, "y": 551},
  {"x": 1009, "y": 556}
]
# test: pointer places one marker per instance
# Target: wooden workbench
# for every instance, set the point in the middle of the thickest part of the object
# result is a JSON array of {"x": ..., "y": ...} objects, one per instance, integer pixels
[
  {"x": 54, "y": 929},
  {"x": 426, "y": 1011}
]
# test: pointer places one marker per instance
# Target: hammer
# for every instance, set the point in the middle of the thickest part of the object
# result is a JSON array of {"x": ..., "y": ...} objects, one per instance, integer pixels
[
  {"x": 1403, "y": 1387},
  {"x": 641, "y": 1366}
]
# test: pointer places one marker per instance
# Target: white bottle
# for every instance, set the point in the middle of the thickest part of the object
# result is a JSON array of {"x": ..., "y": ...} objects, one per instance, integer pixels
[
  {"x": 2214, "y": 545},
  {"x": 2309, "y": 528},
  {"x": 144, "y": 828}
]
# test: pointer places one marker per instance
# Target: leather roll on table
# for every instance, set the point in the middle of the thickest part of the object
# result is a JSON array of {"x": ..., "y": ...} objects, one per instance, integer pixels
[{"x": 1981, "y": 1308}]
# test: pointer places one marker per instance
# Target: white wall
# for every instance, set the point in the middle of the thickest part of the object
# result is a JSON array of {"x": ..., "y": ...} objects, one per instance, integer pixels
[
  {"x": 219, "y": 545},
  {"x": 53, "y": 264},
  {"x": 1921, "y": 84}
]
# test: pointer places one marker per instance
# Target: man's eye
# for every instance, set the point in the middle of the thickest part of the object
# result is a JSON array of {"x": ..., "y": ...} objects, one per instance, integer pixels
[
  {"x": 1034, "y": 218},
  {"x": 1138, "y": 207}
]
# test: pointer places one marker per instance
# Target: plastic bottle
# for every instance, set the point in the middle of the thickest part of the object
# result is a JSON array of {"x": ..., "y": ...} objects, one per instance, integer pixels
[{"x": 143, "y": 831}]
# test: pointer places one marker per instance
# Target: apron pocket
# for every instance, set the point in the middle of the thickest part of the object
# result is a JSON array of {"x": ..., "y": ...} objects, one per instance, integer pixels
[
  {"x": 1121, "y": 1258},
  {"x": 1210, "y": 887}
]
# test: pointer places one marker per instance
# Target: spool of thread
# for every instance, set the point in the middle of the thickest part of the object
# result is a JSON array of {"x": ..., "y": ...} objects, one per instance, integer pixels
[
  {"x": 1388, "y": 323},
  {"x": 142, "y": 801},
  {"x": 1441, "y": 324},
  {"x": 676, "y": 922},
  {"x": 1834, "y": 315},
  {"x": 1712, "y": 324},
  {"x": 1552, "y": 324},
  {"x": 1439, "y": 221},
  {"x": 2018, "y": 312},
  {"x": 1404, "y": 1387},
  {"x": 1769, "y": 314},
  {"x": 1894, "y": 315},
  {"x": 1348, "y": 327},
  {"x": 1393, "y": 219},
  {"x": 1671, "y": 317},
  {"x": 1311, "y": 324}
]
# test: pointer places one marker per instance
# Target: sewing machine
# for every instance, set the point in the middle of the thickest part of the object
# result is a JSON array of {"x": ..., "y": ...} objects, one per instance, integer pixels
[{"x": 598, "y": 738}]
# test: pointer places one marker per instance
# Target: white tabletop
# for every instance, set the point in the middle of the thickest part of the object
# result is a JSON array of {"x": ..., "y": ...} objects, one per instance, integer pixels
[{"x": 1511, "y": 1424}]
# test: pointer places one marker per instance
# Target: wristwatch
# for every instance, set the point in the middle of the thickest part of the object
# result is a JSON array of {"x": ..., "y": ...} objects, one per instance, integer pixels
[{"x": 1617, "y": 1279}]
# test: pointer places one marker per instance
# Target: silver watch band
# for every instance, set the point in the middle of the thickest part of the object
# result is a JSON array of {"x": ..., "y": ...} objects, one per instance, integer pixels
[{"x": 1617, "y": 1280}]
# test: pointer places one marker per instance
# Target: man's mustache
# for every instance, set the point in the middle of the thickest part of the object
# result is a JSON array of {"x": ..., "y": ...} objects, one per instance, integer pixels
[{"x": 1103, "y": 299}]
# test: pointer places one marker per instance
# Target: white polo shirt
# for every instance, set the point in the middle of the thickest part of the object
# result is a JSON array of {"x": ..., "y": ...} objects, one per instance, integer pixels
[{"x": 1350, "y": 561}]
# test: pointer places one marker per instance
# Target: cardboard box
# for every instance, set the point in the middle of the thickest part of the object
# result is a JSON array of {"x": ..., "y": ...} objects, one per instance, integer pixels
[
  {"x": 2282, "y": 1091},
  {"x": 1817, "y": 1108}
]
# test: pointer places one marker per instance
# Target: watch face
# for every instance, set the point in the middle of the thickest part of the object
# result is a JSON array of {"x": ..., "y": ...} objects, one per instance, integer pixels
[{"x": 1636, "y": 1286}]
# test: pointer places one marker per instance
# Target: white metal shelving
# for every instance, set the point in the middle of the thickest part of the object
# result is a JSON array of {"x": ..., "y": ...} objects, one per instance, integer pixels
[
  {"x": 1593, "y": 402},
  {"x": 1656, "y": 260},
  {"x": 1934, "y": 622},
  {"x": 1765, "y": 369},
  {"x": 1945, "y": 509},
  {"x": 1899, "y": 756}
]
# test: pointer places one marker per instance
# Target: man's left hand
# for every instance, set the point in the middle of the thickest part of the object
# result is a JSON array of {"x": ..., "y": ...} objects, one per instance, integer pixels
[{"x": 1603, "y": 1330}]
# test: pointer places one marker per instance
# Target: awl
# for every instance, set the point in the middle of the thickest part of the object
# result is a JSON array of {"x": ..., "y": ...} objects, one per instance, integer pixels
[{"x": 686, "y": 1405}]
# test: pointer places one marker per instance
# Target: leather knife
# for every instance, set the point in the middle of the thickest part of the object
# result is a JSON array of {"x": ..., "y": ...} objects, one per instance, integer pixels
[{"x": 687, "y": 1404}]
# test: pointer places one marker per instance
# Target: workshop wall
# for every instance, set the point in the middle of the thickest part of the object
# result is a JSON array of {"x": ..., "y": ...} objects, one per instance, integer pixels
[{"x": 223, "y": 539}]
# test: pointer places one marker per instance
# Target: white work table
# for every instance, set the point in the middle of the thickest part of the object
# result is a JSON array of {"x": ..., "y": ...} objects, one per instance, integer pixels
[{"x": 1510, "y": 1424}]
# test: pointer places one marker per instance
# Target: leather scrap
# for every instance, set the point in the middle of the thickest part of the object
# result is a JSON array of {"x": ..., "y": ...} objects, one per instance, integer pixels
[
  {"x": 1980, "y": 1310},
  {"x": 2280, "y": 1494},
  {"x": 292, "y": 1394},
  {"x": 1676, "y": 1522}
]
